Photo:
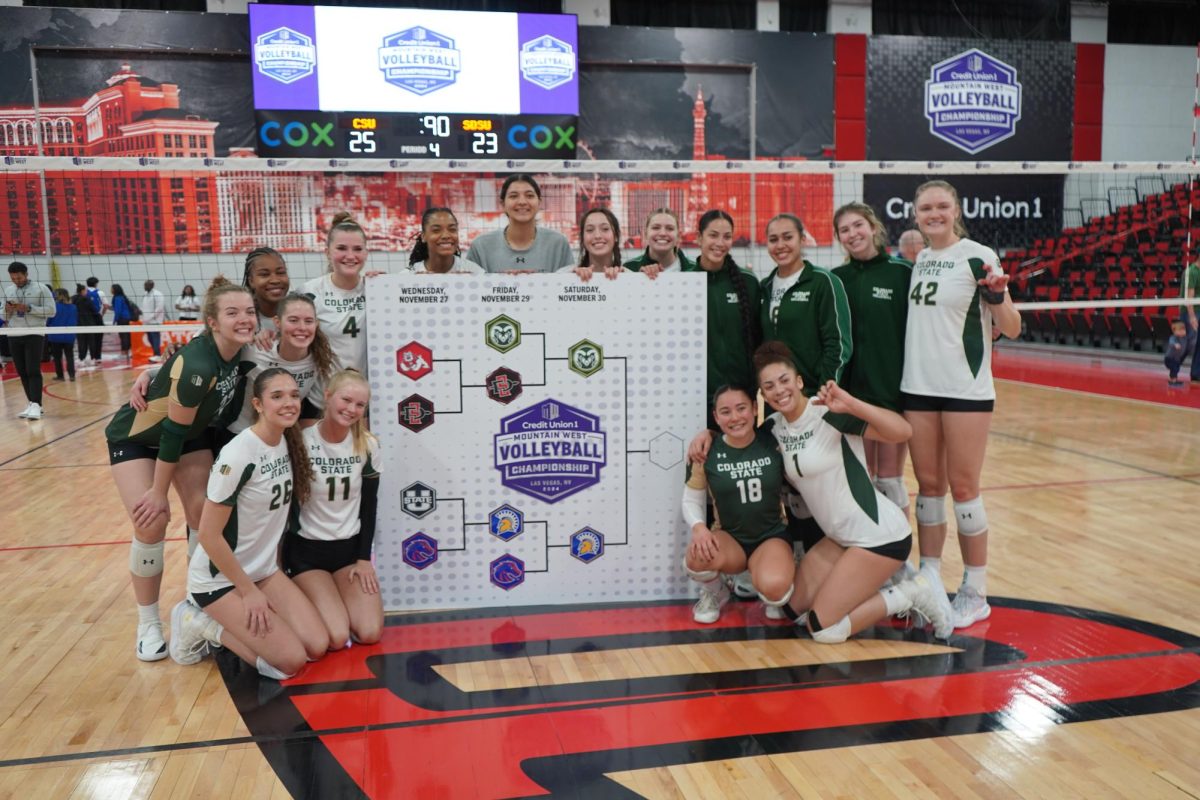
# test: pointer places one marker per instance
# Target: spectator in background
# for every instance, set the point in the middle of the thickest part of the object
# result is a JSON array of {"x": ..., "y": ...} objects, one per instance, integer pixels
[
  {"x": 66, "y": 315},
  {"x": 188, "y": 305},
  {"x": 122, "y": 315},
  {"x": 1179, "y": 345},
  {"x": 911, "y": 242},
  {"x": 1191, "y": 283},
  {"x": 87, "y": 314},
  {"x": 27, "y": 306},
  {"x": 154, "y": 312}
]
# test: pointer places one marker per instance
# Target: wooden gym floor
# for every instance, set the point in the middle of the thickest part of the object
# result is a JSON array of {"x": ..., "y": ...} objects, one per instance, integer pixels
[{"x": 1085, "y": 682}]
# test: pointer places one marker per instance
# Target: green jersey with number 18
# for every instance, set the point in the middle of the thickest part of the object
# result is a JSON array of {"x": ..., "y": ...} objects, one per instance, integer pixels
[
  {"x": 255, "y": 479},
  {"x": 948, "y": 338},
  {"x": 343, "y": 317},
  {"x": 745, "y": 485}
]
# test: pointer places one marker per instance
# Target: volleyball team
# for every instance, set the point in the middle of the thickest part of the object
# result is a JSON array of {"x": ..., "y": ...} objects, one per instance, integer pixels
[{"x": 259, "y": 424}]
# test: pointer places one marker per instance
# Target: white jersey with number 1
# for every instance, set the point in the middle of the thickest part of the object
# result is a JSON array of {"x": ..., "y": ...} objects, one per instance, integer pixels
[
  {"x": 343, "y": 317},
  {"x": 948, "y": 339}
]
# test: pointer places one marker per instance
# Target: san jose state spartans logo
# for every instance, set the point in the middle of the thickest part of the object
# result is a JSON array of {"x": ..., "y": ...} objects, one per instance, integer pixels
[
  {"x": 506, "y": 522},
  {"x": 550, "y": 450},
  {"x": 972, "y": 101},
  {"x": 285, "y": 55},
  {"x": 419, "y": 60},
  {"x": 587, "y": 545},
  {"x": 547, "y": 62}
]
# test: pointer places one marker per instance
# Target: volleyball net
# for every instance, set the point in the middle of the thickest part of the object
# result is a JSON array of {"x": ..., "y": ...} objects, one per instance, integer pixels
[{"x": 1082, "y": 241}]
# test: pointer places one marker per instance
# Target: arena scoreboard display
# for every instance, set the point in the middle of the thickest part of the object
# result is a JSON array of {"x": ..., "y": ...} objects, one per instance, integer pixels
[{"x": 338, "y": 82}]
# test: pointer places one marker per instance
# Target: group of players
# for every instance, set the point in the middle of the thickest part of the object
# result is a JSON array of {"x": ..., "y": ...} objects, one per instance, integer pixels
[{"x": 259, "y": 424}]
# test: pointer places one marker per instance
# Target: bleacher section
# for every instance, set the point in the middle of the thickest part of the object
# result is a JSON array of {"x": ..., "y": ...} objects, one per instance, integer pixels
[{"x": 1136, "y": 250}]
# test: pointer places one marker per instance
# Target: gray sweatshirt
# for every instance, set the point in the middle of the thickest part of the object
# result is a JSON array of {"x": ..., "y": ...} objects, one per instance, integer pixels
[
  {"x": 37, "y": 297},
  {"x": 548, "y": 252}
]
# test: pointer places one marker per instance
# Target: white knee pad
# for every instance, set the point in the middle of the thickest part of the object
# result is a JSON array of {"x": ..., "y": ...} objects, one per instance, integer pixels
[
  {"x": 703, "y": 576},
  {"x": 972, "y": 519},
  {"x": 893, "y": 489},
  {"x": 145, "y": 560},
  {"x": 780, "y": 602},
  {"x": 931, "y": 510},
  {"x": 834, "y": 634},
  {"x": 269, "y": 671}
]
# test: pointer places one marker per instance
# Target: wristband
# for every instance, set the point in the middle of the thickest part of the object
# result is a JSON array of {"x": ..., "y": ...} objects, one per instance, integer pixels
[{"x": 993, "y": 298}]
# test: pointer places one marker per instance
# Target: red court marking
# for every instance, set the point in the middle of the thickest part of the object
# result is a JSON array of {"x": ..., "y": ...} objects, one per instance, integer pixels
[
  {"x": 79, "y": 544},
  {"x": 1094, "y": 374},
  {"x": 46, "y": 390},
  {"x": 439, "y": 759}
]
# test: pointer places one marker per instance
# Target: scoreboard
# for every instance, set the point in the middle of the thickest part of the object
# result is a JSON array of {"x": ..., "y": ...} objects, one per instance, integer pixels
[
  {"x": 345, "y": 83},
  {"x": 308, "y": 134}
]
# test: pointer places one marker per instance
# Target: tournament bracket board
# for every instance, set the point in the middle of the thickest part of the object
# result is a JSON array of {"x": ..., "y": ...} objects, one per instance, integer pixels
[{"x": 533, "y": 431}]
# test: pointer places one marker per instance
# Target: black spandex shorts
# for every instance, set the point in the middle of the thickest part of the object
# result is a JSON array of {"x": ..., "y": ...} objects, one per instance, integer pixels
[
  {"x": 204, "y": 599},
  {"x": 898, "y": 550},
  {"x": 120, "y": 452},
  {"x": 749, "y": 549},
  {"x": 302, "y": 555},
  {"x": 923, "y": 402}
]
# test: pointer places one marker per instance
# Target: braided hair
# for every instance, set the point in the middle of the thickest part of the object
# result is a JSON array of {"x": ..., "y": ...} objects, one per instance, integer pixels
[
  {"x": 420, "y": 251},
  {"x": 749, "y": 316},
  {"x": 253, "y": 256}
]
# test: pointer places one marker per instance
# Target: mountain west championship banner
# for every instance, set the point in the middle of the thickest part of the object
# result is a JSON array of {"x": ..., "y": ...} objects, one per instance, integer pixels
[
  {"x": 965, "y": 99},
  {"x": 533, "y": 431}
]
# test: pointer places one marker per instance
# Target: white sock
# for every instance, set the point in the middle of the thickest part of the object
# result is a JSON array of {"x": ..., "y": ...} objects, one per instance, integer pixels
[
  {"x": 268, "y": 671},
  {"x": 976, "y": 578},
  {"x": 931, "y": 565},
  {"x": 895, "y": 601},
  {"x": 148, "y": 614},
  {"x": 193, "y": 537}
]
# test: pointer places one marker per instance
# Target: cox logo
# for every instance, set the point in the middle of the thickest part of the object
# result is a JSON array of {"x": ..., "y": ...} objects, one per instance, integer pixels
[
  {"x": 296, "y": 134},
  {"x": 541, "y": 137}
]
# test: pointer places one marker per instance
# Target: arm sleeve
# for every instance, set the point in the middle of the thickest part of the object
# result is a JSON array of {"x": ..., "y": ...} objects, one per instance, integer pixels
[
  {"x": 367, "y": 507},
  {"x": 693, "y": 506},
  {"x": 170, "y": 441},
  {"x": 836, "y": 342}
]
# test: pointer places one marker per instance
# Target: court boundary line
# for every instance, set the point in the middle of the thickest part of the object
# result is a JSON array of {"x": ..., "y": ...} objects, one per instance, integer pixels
[
  {"x": 1154, "y": 403},
  {"x": 49, "y": 442}
]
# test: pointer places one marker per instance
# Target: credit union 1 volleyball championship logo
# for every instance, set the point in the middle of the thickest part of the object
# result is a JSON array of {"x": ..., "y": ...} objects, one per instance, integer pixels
[
  {"x": 972, "y": 101},
  {"x": 547, "y": 62},
  {"x": 550, "y": 450},
  {"x": 419, "y": 60},
  {"x": 285, "y": 55}
]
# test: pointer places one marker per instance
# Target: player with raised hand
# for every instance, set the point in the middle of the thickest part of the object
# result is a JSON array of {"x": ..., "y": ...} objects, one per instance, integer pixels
[
  {"x": 340, "y": 295},
  {"x": 168, "y": 443},
  {"x": 957, "y": 293},
  {"x": 866, "y": 537},
  {"x": 436, "y": 251},
  {"x": 743, "y": 475},
  {"x": 237, "y": 595},
  {"x": 877, "y": 291},
  {"x": 327, "y": 551},
  {"x": 599, "y": 245},
  {"x": 521, "y": 246},
  {"x": 662, "y": 253}
]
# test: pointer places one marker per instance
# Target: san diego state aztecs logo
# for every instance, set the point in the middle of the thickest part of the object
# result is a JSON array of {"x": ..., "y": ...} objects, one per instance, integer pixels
[{"x": 382, "y": 722}]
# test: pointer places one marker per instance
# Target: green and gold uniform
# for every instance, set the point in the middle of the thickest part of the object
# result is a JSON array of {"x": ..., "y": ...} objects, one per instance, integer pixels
[
  {"x": 685, "y": 264},
  {"x": 877, "y": 291},
  {"x": 813, "y": 320},
  {"x": 745, "y": 485},
  {"x": 195, "y": 377},
  {"x": 728, "y": 350}
]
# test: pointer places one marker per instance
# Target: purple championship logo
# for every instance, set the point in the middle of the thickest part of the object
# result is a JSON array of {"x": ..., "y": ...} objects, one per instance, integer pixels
[
  {"x": 507, "y": 571},
  {"x": 972, "y": 101},
  {"x": 285, "y": 55},
  {"x": 419, "y": 550},
  {"x": 550, "y": 451}
]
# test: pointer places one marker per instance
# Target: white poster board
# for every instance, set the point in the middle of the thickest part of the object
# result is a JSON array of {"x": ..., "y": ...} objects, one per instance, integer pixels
[{"x": 533, "y": 431}]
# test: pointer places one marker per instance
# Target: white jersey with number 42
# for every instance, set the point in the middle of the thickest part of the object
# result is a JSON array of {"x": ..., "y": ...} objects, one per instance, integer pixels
[{"x": 948, "y": 340}]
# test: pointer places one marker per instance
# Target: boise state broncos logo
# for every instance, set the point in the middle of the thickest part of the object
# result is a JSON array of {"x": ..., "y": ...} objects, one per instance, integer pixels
[
  {"x": 507, "y": 571},
  {"x": 419, "y": 550}
]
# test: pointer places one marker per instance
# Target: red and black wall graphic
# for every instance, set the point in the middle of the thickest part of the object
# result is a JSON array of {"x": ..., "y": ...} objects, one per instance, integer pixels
[{"x": 381, "y": 722}]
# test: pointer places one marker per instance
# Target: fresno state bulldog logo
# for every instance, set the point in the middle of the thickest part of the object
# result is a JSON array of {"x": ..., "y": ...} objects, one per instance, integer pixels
[
  {"x": 414, "y": 361},
  {"x": 364, "y": 710}
]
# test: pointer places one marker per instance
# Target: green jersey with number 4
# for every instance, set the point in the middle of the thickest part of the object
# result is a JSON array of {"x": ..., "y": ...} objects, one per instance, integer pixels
[
  {"x": 745, "y": 485},
  {"x": 948, "y": 337}
]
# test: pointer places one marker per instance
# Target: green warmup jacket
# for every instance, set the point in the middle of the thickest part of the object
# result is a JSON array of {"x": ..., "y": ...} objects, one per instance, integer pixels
[
  {"x": 636, "y": 264},
  {"x": 814, "y": 321},
  {"x": 878, "y": 295},
  {"x": 728, "y": 359}
]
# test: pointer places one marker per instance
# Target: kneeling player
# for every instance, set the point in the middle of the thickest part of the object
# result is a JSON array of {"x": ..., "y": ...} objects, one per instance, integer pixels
[{"x": 744, "y": 475}]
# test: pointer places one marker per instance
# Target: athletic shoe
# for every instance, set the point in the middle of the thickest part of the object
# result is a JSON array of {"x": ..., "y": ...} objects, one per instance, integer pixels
[
  {"x": 25, "y": 414},
  {"x": 33, "y": 412},
  {"x": 774, "y": 612},
  {"x": 969, "y": 607},
  {"x": 905, "y": 573},
  {"x": 151, "y": 646},
  {"x": 930, "y": 601},
  {"x": 191, "y": 630},
  {"x": 743, "y": 586},
  {"x": 708, "y": 608}
]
